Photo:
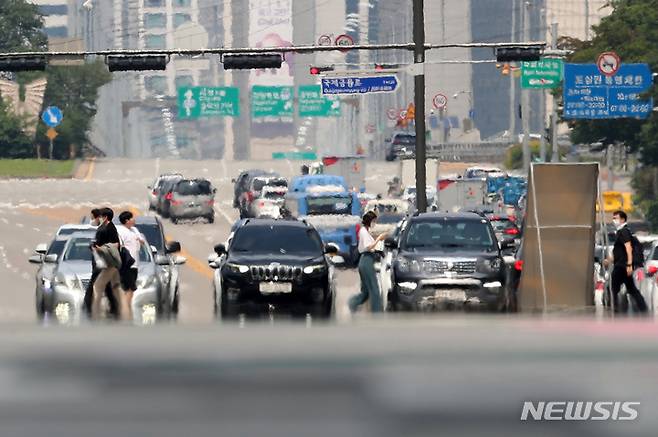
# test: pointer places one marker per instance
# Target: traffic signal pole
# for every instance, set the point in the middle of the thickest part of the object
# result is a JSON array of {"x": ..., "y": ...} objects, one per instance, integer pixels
[{"x": 419, "y": 102}]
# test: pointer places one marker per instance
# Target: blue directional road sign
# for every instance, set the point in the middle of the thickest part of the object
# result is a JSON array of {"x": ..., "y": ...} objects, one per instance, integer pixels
[
  {"x": 589, "y": 94},
  {"x": 52, "y": 116},
  {"x": 359, "y": 85}
]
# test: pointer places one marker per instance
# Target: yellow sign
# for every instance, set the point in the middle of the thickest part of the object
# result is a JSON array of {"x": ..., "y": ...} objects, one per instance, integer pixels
[{"x": 51, "y": 134}]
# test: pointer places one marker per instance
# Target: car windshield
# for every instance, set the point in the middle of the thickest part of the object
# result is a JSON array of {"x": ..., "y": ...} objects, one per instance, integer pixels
[
  {"x": 194, "y": 188},
  {"x": 259, "y": 183},
  {"x": 78, "y": 250},
  {"x": 274, "y": 195},
  {"x": 153, "y": 235},
  {"x": 56, "y": 247},
  {"x": 329, "y": 205},
  {"x": 404, "y": 139},
  {"x": 69, "y": 231},
  {"x": 501, "y": 225},
  {"x": 449, "y": 233},
  {"x": 389, "y": 219},
  {"x": 277, "y": 240}
]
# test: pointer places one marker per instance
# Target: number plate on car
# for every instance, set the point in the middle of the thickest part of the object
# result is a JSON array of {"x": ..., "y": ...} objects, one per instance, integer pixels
[
  {"x": 453, "y": 295},
  {"x": 275, "y": 287}
]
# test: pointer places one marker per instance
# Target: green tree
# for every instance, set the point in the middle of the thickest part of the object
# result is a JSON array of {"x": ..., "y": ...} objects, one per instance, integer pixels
[
  {"x": 74, "y": 89},
  {"x": 13, "y": 141},
  {"x": 22, "y": 27}
]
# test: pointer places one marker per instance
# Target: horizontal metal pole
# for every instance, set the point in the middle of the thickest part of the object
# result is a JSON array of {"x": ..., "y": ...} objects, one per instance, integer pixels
[{"x": 257, "y": 50}]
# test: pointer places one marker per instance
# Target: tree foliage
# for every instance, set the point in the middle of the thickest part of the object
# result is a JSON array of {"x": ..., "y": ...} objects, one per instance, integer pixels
[
  {"x": 22, "y": 27},
  {"x": 630, "y": 31},
  {"x": 13, "y": 141}
]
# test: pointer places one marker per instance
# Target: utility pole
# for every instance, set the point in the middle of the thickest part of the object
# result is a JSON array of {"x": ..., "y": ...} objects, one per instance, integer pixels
[
  {"x": 586, "y": 20},
  {"x": 512, "y": 83},
  {"x": 542, "y": 112},
  {"x": 555, "y": 157},
  {"x": 419, "y": 102},
  {"x": 525, "y": 101}
]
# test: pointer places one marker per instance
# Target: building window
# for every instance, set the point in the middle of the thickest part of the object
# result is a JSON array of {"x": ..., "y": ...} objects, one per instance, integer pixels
[
  {"x": 54, "y": 9},
  {"x": 155, "y": 42},
  {"x": 153, "y": 21},
  {"x": 184, "y": 81},
  {"x": 154, "y": 3},
  {"x": 182, "y": 3},
  {"x": 156, "y": 85},
  {"x": 181, "y": 19},
  {"x": 57, "y": 32}
]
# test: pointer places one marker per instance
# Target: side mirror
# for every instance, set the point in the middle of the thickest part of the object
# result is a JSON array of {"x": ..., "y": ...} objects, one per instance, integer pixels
[
  {"x": 162, "y": 260},
  {"x": 173, "y": 247},
  {"x": 331, "y": 249},
  {"x": 506, "y": 244},
  {"x": 220, "y": 249},
  {"x": 154, "y": 249},
  {"x": 52, "y": 258},
  {"x": 232, "y": 180},
  {"x": 180, "y": 260},
  {"x": 337, "y": 260},
  {"x": 35, "y": 259},
  {"x": 390, "y": 243},
  {"x": 387, "y": 140},
  {"x": 149, "y": 187},
  {"x": 214, "y": 190},
  {"x": 41, "y": 248}
]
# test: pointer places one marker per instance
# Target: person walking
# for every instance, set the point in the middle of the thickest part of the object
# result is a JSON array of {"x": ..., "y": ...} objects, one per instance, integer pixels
[
  {"x": 108, "y": 261},
  {"x": 368, "y": 251},
  {"x": 94, "y": 217},
  {"x": 623, "y": 263},
  {"x": 132, "y": 240}
]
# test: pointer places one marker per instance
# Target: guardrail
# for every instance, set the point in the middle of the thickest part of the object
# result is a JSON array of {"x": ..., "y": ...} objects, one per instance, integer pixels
[{"x": 459, "y": 152}]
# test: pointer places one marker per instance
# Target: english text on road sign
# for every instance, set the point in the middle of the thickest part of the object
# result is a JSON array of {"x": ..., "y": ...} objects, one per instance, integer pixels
[
  {"x": 312, "y": 103},
  {"x": 271, "y": 101},
  {"x": 52, "y": 116},
  {"x": 588, "y": 94},
  {"x": 359, "y": 85},
  {"x": 546, "y": 73},
  {"x": 195, "y": 102},
  {"x": 608, "y": 63}
]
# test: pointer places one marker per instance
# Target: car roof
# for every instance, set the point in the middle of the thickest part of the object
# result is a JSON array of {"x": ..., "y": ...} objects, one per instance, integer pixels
[
  {"x": 141, "y": 220},
  {"x": 77, "y": 235},
  {"x": 273, "y": 222},
  {"x": 431, "y": 216}
]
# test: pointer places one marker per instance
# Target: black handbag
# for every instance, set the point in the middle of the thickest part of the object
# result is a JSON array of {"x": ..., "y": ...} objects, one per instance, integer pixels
[{"x": 127, "y": 260}]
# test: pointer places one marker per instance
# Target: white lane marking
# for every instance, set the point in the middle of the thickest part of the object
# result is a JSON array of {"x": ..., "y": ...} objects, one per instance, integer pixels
[
  {"x": 36, "y": 229},
  {"x": 20, "y": 225},
  {"x": 26, "y": 251},
  {"x": 223, "y": 214},
  {"x": 4, "y": 220}
]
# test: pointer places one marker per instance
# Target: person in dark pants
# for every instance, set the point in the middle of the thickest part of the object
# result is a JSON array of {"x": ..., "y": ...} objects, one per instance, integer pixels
[
  {"x": 114, "y": 307},
  {"x": 622, "y": 263},
  {"x": 367, "y": 273}
]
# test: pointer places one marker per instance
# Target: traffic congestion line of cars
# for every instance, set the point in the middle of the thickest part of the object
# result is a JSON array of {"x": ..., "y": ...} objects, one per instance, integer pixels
[{"x": 178, "y": 198}]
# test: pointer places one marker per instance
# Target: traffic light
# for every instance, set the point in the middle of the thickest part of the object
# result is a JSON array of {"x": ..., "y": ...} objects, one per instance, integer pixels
[
  {"x": 382, "y": 67},
  {"x": 319, "y": 70},
  {"x": 136, "y": 63},
  {"x": 518, "y": 54},
  {"x": 252, "y": 61},
  {"x": 23, "y": 63}
]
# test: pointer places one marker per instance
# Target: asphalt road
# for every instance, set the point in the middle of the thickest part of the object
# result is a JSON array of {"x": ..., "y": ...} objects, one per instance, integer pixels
[{"x": 32, "y": 210}]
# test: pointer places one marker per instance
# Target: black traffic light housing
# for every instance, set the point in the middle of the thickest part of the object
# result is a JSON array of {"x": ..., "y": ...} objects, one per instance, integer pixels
[
  {"x": 518, "y": 54},
  {"x": 136, "y": 63},
  {"x": 252, "y": 61},
  {"x": 23, "y": 63},
  {"x": 315, "y": 70}
]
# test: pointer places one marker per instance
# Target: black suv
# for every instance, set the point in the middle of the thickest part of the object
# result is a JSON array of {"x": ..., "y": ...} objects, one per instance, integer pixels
[
  {"x": 446, "y": 261},
  {"x": 274, "y": 265}
]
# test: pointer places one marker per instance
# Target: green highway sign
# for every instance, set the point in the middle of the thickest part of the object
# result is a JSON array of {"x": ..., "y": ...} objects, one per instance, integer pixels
[
  {"x": 546, "y": 73},
  {"x": 312, "y": 103},
  {"x": 202, "y": 101},
  {"x": 295, "y": 156},
  {"x": 271, "y": 101}
]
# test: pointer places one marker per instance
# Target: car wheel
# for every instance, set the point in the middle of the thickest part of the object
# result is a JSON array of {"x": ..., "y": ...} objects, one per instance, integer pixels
[
  {"x": 174, "y": 305},
  {"x": 211, "y": 219},
  {"x": 174, "y": 220}
]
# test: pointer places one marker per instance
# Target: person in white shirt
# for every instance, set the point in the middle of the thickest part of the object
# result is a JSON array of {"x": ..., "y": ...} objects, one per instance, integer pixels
[
  {"x": 368, "y": 251},
  {"x": 132, "y": 240}
]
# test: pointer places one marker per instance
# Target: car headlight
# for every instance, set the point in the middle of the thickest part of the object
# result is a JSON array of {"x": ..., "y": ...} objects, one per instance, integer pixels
[
  {"x": 313, "y": 269},
  {"x": 407, "y": 287},
  {"x": 237, "y": 268},
  {"x": 46, "y": 283},
  {"x": 146, "y": 281},
  {"x": 407, "y": 265}
]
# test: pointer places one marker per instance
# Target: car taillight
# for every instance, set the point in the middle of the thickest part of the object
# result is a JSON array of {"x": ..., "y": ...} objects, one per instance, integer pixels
[
  {"x": 169, "y": 196},
  {"x": 261, "y": 204},
  {"x": 518, "y": 265},
  {"x": 652, "y": 270},
  {"x": 210, "y": 202},
  {"x": 511, "y": 231},
  {"x": 176, "y": 202}
]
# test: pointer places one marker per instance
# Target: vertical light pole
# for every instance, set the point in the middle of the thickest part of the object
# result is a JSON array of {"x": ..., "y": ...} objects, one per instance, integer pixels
[
  {"x": 555, "y": 157},
  {"x": 419, "y": 102},
  {"x": 525, "y": 97},
  {"x": 512, "y": 83}
]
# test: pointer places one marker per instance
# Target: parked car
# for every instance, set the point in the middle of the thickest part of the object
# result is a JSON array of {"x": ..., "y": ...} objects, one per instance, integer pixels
[
  {"x": 164, "y": 195},
  {"x": 243, "y": 182},
  {"x": 154, "y": 188},
  {"x": 274, "y": 266},
  {"x": 447, "y": 261},
  {"x": 191, "y": 199}
]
